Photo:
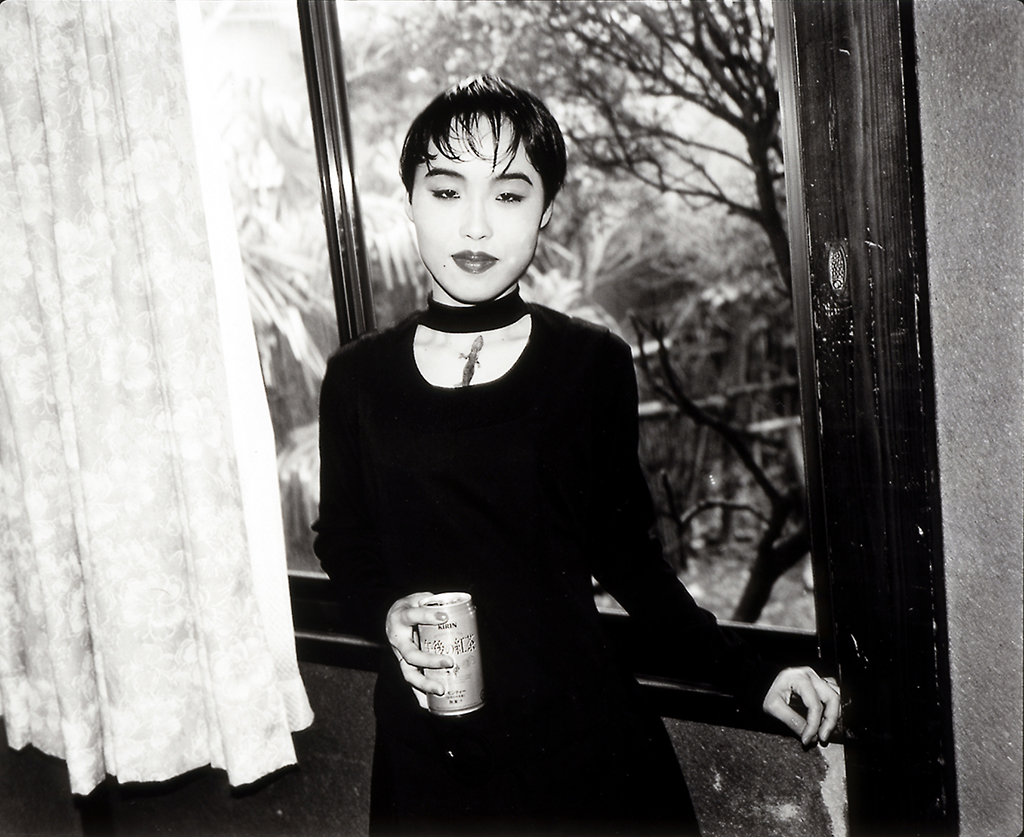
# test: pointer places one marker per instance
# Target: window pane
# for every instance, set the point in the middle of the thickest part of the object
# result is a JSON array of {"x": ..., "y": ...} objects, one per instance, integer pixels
[
  {"x": 670, "y": 231},
  {"x": 253, "y": 62}
]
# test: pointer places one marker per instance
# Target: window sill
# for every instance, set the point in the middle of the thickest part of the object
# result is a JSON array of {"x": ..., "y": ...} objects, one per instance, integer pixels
[{"x": 318, "y": 641}]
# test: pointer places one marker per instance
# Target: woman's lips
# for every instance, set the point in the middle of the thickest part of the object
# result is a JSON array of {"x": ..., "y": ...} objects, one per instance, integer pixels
[{"x": 473, "y": 262}]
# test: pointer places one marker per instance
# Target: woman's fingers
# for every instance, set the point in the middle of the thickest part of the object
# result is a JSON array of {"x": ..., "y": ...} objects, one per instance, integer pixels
[
  {"x": 421, "y": 659},
  {"x": 820, "y": 698},
  {"x": 421, "y": 684},
  {"x": 803, "y": 687},
  {"x": 828, "y": 691},
  {"x": 776, "y": 705},
  {"x": 402, "y": 619}
]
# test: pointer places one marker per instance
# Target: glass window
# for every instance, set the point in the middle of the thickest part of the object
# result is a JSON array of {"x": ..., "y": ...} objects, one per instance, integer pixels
[
  {"x": 252, "y": 57},
  {"x": 670, "y": 231}
]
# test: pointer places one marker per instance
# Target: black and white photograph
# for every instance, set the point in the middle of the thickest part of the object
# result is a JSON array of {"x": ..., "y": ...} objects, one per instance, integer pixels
[{"x": 511, "y": 418}]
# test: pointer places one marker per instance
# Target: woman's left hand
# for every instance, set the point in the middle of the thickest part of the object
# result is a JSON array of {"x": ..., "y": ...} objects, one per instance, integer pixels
[{"x": 820, "y": 696}]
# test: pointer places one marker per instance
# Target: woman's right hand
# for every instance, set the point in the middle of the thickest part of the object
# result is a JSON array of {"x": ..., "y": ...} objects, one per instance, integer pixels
[{"x": 403, "y": 617}]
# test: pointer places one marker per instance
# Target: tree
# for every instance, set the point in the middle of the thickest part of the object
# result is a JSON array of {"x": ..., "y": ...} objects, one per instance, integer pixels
[
  {"x": 784, "y": 538},
  {"x": 639, "y": 77}
]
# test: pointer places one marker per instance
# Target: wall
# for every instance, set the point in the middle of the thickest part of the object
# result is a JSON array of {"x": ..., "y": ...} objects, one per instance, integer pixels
[
  {"x": 971, "y": 78},
  {"x": 758, "y": 785}
]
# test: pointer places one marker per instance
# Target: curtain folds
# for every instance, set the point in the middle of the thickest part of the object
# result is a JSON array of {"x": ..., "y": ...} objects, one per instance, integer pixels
[{"x": 144, "y": 624}]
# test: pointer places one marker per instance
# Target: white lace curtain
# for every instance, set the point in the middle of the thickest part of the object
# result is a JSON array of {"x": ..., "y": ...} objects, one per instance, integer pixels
[{"x": 145, "y": 628}]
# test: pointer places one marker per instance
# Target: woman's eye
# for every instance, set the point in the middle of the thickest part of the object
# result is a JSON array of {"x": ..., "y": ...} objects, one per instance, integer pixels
[
  {"x": 444, "y": 194},
  {"x": 510, "y": 197}
]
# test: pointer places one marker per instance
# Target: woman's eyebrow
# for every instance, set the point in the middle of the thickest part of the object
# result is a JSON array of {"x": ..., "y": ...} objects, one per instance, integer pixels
[
  {"x": 433, "y": 172},
  {"x": 515, "y": 175},
  {"x": 505, "y": 175}
]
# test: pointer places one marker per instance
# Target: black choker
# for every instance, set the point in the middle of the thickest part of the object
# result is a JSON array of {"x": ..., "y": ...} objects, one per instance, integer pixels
[{"x": 484, "y": 316}]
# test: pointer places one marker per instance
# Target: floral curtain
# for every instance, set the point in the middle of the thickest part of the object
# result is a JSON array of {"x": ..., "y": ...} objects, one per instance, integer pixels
[{"x": 144, "y": 622}]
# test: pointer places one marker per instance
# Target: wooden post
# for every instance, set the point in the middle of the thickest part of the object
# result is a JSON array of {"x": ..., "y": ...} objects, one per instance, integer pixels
[{"x": 852, "y": 160}]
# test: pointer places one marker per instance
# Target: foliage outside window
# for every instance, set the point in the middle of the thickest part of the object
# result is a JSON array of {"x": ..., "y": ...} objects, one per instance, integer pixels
[{"x": 670, "y": 231}]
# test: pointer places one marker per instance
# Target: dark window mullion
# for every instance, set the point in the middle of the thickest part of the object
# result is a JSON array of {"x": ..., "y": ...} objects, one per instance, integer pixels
[
  {"x": 328, "y": 105},
  {"x": 853, "y": 173}
]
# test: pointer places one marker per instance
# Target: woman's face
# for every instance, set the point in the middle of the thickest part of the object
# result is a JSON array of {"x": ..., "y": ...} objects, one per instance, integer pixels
[{"x": 476, "y": 222}]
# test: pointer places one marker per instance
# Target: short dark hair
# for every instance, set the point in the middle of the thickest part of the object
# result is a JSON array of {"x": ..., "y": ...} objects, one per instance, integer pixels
[{"x": 455, "y": 115}]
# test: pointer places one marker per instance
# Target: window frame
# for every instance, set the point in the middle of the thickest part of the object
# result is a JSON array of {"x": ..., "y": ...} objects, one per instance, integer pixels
[
  {"x": 856, "y": 207},
  {"x": 852, "y": 148},
  {"x": 320, "y": 36},
  {"x": 314, "y": 613}
]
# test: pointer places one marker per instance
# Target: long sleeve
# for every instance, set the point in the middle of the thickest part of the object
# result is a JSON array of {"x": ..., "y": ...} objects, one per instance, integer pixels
[
  {"x": 347, "y": 539},
  {"x": 628, "y": 558}
]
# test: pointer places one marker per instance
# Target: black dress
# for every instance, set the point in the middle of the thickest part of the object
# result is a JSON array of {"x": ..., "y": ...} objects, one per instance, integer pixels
[{"x": 518, "y": 491}]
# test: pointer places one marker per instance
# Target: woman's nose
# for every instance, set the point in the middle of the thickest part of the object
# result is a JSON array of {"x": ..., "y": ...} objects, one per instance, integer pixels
[{"x": 475, "y": 223}]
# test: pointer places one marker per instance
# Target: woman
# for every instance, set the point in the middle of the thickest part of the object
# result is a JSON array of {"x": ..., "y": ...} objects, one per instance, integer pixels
[{"x": 488, "y": 445}]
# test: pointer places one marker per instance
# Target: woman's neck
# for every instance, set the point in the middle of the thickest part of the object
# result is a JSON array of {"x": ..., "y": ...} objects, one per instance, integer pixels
[
  {"x": 483, "y": 316},
  {"x": 474, "y": 344}
]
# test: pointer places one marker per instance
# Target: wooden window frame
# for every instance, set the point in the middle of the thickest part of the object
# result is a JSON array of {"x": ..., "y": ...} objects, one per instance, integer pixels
[
  {"x": 856, "y": 209},
  {"x": 328, "y": 105},
  {"x": 314, "y": 613},
  {"x": 852, "y": 147}
]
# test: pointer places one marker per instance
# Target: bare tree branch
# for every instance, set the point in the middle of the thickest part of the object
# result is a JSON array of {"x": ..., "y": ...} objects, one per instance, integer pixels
[
  {"x": 707, "y": 505},
  {"x": 626, "y": 61},
  {"x": 775, "y": 553},
  {"x": 734, "y": 436}
]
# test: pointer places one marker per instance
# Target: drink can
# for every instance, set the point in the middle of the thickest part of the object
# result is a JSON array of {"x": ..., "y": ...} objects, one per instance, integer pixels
[{"x": 453, "y": 632}]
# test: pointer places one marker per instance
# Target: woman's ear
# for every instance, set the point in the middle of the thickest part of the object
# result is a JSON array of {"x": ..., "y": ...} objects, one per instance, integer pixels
[
  {"x": 547, "y": 215},
  {"x": 408, "y": 206}
]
